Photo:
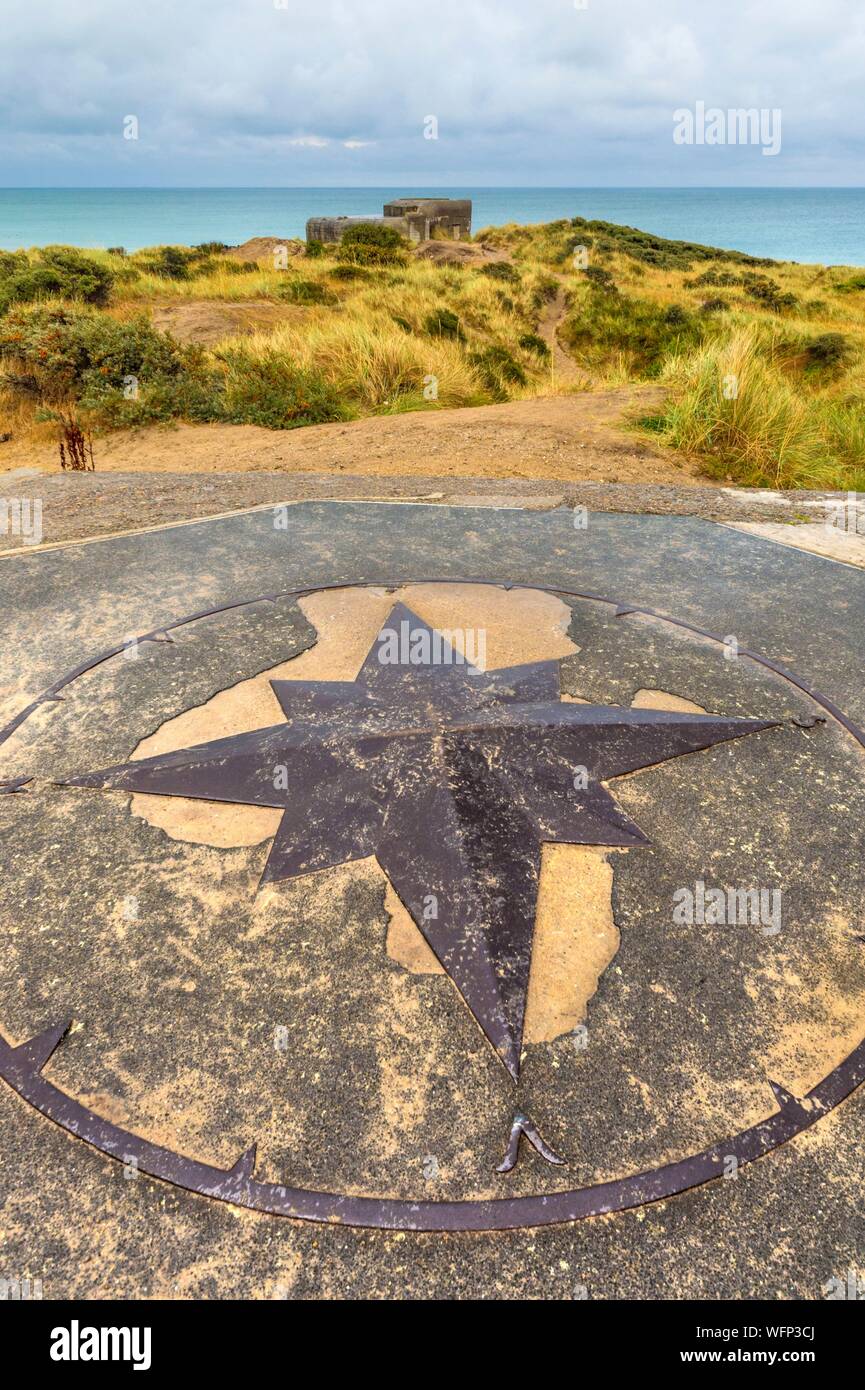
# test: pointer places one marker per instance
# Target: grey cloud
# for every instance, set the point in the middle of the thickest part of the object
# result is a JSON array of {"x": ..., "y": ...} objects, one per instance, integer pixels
[{"x": 240, "y": 91}]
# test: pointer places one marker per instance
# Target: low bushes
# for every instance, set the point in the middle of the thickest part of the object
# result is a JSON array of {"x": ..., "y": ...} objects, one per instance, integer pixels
[
  {"x": 768, "y": 294},
  {"x": 265, "y": 389},
  {"x": 530, "y": 342},
  {"x": 499, "y": 370},
  {"x": 501, "y": 270},
  {"x": 828, "y": 352},
  {"x": 443, "y": 323},
  {"x": 297, "y": 290},
  {"x": 601, "y": 279},
  {"x": 127, "y": 373},
  {"x": 58, "y": 354},
  {"x": 643, "y": 333},
  {"x": 170, "y": 262},
  {"x": 57, "y": 273},
  {"x": 367, "y": 243}
]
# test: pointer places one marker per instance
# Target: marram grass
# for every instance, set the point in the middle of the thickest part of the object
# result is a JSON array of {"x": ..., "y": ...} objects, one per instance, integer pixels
[{"x": 763, "y": 364}]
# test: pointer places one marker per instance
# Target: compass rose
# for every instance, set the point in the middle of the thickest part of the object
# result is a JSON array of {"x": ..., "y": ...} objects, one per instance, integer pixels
[{"x": 453, "y": 778}]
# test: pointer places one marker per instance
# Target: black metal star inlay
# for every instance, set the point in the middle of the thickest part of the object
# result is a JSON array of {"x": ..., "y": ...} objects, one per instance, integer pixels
[{"x": 453, "y": 778}]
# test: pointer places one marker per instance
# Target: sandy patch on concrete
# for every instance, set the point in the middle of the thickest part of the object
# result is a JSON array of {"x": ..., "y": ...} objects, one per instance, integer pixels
[
  {"x": 664, "y": 699},
  {"x": 816, "y": 537},
  {"x": 575, "y": 938},
  {"x": 405, "y": 942}
]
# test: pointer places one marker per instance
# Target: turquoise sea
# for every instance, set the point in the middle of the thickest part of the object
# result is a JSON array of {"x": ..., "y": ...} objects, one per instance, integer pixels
[{"x": 825, "y": 225}]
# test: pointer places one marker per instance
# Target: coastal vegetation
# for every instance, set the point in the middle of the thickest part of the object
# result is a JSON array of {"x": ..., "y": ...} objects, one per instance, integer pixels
[{"x": 762, "y": 363}]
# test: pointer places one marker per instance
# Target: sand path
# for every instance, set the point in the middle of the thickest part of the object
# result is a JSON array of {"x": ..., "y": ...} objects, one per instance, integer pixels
[{"x": 579, "y": 437}]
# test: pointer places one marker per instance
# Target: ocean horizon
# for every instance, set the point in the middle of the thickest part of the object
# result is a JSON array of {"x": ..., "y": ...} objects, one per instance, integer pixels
[{"x": 810, "y": 225}]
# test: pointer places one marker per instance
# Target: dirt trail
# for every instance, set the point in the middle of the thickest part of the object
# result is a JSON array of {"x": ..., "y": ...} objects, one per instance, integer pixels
[
  {"x": 565, "y": 369},
  {"x": 567, "y": 438}
]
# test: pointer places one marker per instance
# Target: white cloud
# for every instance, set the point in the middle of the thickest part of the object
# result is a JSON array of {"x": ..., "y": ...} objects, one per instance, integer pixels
[{"x": 240, "y": 91}]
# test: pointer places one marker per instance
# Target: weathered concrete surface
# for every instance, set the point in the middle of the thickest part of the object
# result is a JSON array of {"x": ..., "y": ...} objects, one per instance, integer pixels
[
  {"x": 82, "y": 505},
  {"x": 178, "y": 973}
]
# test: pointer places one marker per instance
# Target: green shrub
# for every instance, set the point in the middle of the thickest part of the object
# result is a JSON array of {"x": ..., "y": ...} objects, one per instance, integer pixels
[
  {"x": 544, "y": 291},
  {"x": 55, "y": 355},
  {"x": 59, "y": 273},
  {"x": 12, "y": 262},
  {"x": 501, "y": 270},
  {"x": 350, "y": 272},
  {"x": 315, "y": 248},
  {"x": 828, "y": 352},
  {"x": 723, "y": 279},
  {"x": 601, "y": 279},
  {"x": 123, "y": 374},
  {"x": 370, "y": 243},
  {"x": 768, "y": 293},
  {"x": 126, "y": 274},
  {"x": 299, "y": 291},
  {"x": 443, "y": 323},
  {"x": 644, "y": 332},
  {"x": 498, "y": 369},
  {"x": 171, "y": 262},
  {"x": 82, "y": 277},
  {"x": 267, "y": 391},
  {"x": 555, "y": 242},
  {"x": 184, "y": 263},
  {"x": 531, "y": 342},
  {"x": 195, "y": 393},
  {"x": 655, "y": 250},
  {"x": 36, "y": 282},
  {"x": 713, "y": 306}
]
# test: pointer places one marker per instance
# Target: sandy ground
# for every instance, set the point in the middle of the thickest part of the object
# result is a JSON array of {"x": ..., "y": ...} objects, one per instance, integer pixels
[
  {"x": 562, "y": 437},
  {"x": 208, "y": 321}
]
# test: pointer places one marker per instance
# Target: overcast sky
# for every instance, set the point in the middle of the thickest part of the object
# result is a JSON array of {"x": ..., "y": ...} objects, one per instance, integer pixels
[{"x": 273, "y": 92}]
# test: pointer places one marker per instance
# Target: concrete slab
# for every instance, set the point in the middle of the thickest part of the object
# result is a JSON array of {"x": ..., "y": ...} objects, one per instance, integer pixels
[{"x": 210, "y": 1015}]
